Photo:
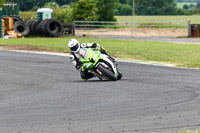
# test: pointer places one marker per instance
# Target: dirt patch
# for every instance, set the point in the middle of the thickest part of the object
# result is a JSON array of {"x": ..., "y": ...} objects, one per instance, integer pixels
[
  {"x": 25, "y": 48},
  {"x": 20, "y": 47},
  {"x": 136, "y": 32}
]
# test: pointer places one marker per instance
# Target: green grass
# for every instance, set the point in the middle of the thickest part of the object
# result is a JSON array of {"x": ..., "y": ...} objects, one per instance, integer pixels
[
  {"x": 193, "y": 19},
  {"x": 190, "y": 132},
  {"x": 162, "y": 25},
  {"x": 186, "y": 55}
]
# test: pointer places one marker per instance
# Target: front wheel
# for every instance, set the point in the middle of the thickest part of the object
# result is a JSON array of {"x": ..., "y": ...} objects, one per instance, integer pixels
[
  {"x": 107, "y": 72},
  {"x": 119, "y": 75}
]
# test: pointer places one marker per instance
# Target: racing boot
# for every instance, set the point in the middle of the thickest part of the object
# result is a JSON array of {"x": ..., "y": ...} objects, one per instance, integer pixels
[{"x": 85, "y": 75}]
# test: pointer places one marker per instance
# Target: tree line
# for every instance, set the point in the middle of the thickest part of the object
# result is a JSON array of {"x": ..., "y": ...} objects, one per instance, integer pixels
[
  {"x": 104, "y": 10},
  {"x": 120, "y": 7},
  {"x": 26, "y": 5},
  {"x": 187, "y": 0},
  {"x": 124, "y": 6}
]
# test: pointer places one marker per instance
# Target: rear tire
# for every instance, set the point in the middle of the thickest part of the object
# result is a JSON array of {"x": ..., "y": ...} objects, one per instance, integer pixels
[
  {"x": 29, "y": 23},
  {"x": 107, "y": 72}
]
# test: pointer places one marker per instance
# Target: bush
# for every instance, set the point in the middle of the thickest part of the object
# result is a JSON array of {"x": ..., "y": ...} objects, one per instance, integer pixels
[
  {"x": 124, "y": 10},
  {"x": 28, "y": 15},
  {"x": 185, "y": 6},
  {"x": 196, "y": 11},
  {"x": 183, "y": 12},
  {"x": 64, "y": 15},
  {"x": 52, "y": 5},
  {"x": 84, "y": 10},
  {"x": 2, "y": 2}
]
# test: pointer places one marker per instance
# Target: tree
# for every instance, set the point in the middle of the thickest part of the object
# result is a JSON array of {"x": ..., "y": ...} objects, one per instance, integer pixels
[
  {"x": 155, "y": 7},
  {"x": 2, "y": 2},
  {"x": 52, "y": 5},
  {"x": 84, "y": 10},
  {"x": 65, "y": 2},
  {"x": 192, "y": 6},
  {"x": 185, "y": 6},
  {"x": 126, "y": 2},
  {"x": 124, "y": 10},
  {"x": 106, "y": 9},
  {"x": 26, "y": 5},
  {"x": 198, "y": 5}
]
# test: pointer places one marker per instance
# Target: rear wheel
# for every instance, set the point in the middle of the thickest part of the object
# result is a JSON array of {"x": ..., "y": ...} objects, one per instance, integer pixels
[{"x": 107, "y": 72}]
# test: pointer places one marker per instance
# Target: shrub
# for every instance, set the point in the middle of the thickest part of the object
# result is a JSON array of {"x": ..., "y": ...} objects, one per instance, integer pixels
[
  {"x": 84, "y": 10},
  {"x": 64, "y": 15},
  {"x": 28, "y": 15}
]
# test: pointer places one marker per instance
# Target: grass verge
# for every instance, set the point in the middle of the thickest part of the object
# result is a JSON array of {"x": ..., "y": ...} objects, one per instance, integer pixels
[
  {"x": 190, "y": 132},
  {"x": 185, "y": 55},
  {"x": 192, "y": 18}
]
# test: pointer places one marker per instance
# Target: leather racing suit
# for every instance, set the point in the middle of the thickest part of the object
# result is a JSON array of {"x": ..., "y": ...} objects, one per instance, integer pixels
[{"x": 74, "y": 57}]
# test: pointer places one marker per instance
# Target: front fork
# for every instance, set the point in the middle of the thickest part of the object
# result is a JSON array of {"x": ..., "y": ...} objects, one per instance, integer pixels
[{"x": 112, "y": 64}]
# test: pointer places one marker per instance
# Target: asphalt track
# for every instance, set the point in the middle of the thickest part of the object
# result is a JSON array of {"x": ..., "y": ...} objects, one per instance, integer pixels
[{"x": 44, "y": 93}]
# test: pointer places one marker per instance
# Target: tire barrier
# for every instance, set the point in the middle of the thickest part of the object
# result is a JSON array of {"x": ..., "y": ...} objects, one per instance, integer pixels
[
  {"x": 33, "y": 27},
  {"x": 50, "y": 28},
  {"x": 22, "y": 28},
  {"x": 17, "y": 18},
  {"x": 29, "y": 23},
  {"x": 47, "y": 28}
]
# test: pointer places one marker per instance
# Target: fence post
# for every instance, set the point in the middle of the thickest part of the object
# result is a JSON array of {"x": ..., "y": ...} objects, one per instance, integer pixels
[
  {"x": 0, "y": 23},
  {"x": 189, "y": 29},
  {"x": 73, "y": 27},
  {"x": 131, "y": 29}
]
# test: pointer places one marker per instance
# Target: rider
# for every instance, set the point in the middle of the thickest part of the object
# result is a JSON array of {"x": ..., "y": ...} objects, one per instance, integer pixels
[{"x": 76, "y": 54}]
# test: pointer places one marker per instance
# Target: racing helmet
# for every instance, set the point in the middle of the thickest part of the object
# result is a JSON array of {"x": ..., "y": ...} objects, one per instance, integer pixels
[{"x": 74, "y": 45}]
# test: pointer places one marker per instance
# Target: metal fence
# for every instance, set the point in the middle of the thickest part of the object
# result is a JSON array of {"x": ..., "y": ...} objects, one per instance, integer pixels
[
  {"x": 10, "y": 9},
  {"x": 0, "y": 23},
  {"x": 131, "y": 29}
]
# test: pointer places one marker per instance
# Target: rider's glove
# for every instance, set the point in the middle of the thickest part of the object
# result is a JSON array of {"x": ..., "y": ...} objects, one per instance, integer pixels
[
  {"x": 103, "y": 48},
  {"x": 71, "y": 57},
  {"x": 95, "y": 46},
  {"x": 78, "y": 67}
]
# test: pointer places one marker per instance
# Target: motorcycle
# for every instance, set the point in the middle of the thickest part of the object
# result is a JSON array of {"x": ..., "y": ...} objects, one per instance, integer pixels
[{"x": 100, "y": 65}]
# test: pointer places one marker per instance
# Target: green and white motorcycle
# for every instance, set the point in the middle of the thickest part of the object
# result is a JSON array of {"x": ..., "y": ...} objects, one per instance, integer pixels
[{"x": 100, "y": 65}]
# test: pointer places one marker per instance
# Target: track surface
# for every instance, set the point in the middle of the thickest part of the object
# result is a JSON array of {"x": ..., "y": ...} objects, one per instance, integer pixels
[{"x": 44, "y": 93}]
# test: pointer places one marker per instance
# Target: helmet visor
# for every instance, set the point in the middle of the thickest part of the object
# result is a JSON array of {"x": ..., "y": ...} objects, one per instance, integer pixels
[{"x": 75, "y": 47}]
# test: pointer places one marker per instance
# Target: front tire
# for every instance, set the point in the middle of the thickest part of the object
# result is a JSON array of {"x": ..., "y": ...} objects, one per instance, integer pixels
[
  {"x": 119, "y": 75},
  {"x": 107, "y": 72}
]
